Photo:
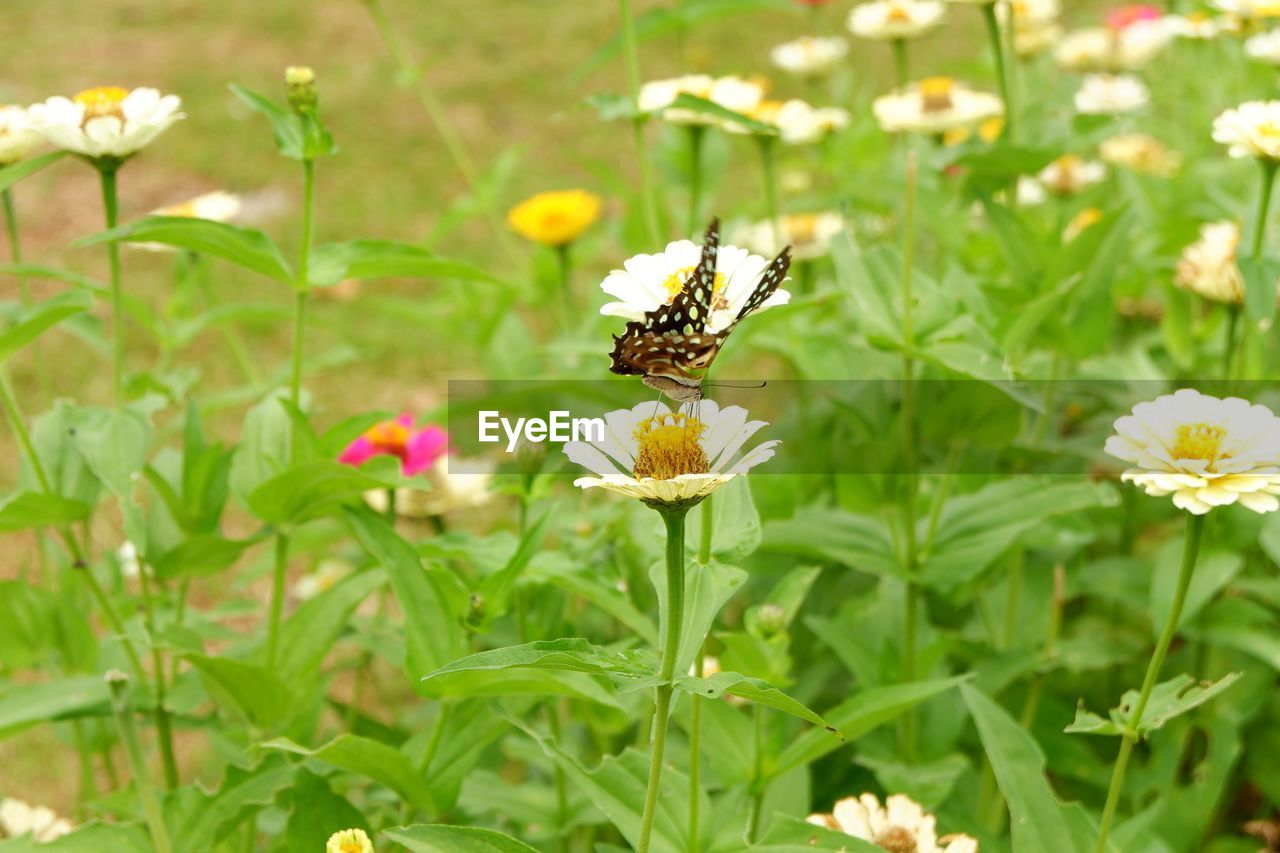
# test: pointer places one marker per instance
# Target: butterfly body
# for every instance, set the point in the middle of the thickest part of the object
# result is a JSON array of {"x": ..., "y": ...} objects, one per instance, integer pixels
[{"x": 671, "y": 347}]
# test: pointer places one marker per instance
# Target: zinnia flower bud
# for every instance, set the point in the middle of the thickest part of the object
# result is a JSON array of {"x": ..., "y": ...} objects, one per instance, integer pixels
[{"x": 300, "y": 80}]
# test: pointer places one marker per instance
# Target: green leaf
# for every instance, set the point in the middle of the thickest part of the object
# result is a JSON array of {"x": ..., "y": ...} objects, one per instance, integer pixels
[
  {"x": 114, "y": 445},
  {"x": 201, "y": 555},
  {"x": 247, "y": 248},
  {"x": 469, "y": 729},
  {"x": 316, "y": 813},
  {"x": 309, "y": 634},
  {"x": 706, "y": 590},
  {"x": 751, "y": 689},
  {"x": 40, "y": 318},
  {"x": 91, "y": 837},
  {"x": 702, "y": 106},
  {"x": 256, "y": 694},
  {"x": 1038, "y": 820},
  {"x": 426, "y": 838},
  {"x": 362, "y": 259},
  {"x": 26, "y": 705},
  {"x": 1213, "y": 571},
  {"x": 1169, "y": 699},
  {"x": 496, "y": 589},
  {"x": 735, "y": 524},
  {"x": 369, "y": 758},
  {"x": 211, "y": 817},
  {"x": 298, "y": 137},
  {"x": 857, "y": 716},
  {"x": 263, "y": 451},
  {"x": 857, "y": 541},
  {"x": 26, "y": 510},
  {"x": 308, "y": 491},
  {"x": 792, "y": 835},
  {"x": 610, "y": 106},
  {"x": 1260, "y": 275},
  {"x": 565, "y": 655},
  {"x": 11, "y": 175},
  {"x": 588, "y": 585}
]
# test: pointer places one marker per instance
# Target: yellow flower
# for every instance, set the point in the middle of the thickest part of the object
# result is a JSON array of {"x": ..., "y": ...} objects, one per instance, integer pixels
[
  {"x": 555, "y": 218},
  {"x": 349, "y": 841},
  {"x": 1084, "y": 219}
]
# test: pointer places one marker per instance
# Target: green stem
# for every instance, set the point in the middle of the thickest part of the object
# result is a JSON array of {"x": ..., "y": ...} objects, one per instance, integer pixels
[
  {"x": 564, "y": 267},
  {"x": 695, "y": 134},
  {"x": 1242, "y": 360},
  {"x": 561, "y": 783},
  {"x": 647, "y": 199},
  {"x": 769, "y": 168},
  {"x": 674, "y": 519},
  {"x": 110, "y": 206},
  {"x": 757, "y": 773},
  {"x": 694, "y": 840},
  {"x": 390, "y": 514},
  {"x": 302, "y": 285},
  {"x": 1229, "y": 350},
  {"x": 122, "y": 704},
  {"x": 1013, "y": 598},
  {"x": 277, "y": 598},
  {"x": 1002, "y": 71},
  {"x": 164, "y": 723},
  {"x": 230, "y": 332},
  {"x": 707, "y": 531},
  {"x": 910, "y": 558},
  {"x": 901, "y": 63},
  {"x": 1191, "y": 548}
]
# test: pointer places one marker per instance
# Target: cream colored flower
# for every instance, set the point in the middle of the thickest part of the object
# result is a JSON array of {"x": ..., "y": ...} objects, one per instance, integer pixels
[
  {"x": 127, "y": 559},
  {"x": 1251, "y": 129},
  {"x": 349, "y": 841},
  {"x": 1141, "y": 153},
  {"x": 216, "y": 206},
  {"x": 325, "y": 577},
  {"x": 732, "y": 93},
  {"x": 648, "y": 281},
  {"x": 1106, "y": 49},
  {"x": 1070, "y": 174},
  {"x": 808, "y": 234},
  {"x": 1110, "y": 94},
  {"x": 1030, "y": 13},
  {"x": 17, "y": 138},
  {"x": 43, "y": 824},
  {"x": 901, "y": 825},
  {"x": 1247, "y": 8},
  {"x": 1208, "y": 266},
  {"x": 666, "y": 458},
  {"x": 1196, "y": 25},
  {"x": 1205, "y": 451},
  {"x": 1030, "y": 192},
  {"x": 1029, "y": 41},
  {"x": 106, "y": 122},
  {"x": 934, "y": 105},
  {"x": 1264, "y": 47},
  {"x": 895, "y": 19},
  {"x": 456, "y": 484},
  {"x": 810, "y": 56},
  {"x": 797, "y": 122}
]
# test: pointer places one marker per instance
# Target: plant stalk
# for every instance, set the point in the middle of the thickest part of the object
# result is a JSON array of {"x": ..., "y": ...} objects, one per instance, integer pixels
[
  {"x": 122, "y": 704},
  {"x": 110, "y": 206},
  {"x": 647, "y": 199}
]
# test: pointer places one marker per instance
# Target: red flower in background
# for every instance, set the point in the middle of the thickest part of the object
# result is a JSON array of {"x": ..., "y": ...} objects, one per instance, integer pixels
[
  {"x": 1123, "y": 17},
  {"x": 417, "y": 450}
]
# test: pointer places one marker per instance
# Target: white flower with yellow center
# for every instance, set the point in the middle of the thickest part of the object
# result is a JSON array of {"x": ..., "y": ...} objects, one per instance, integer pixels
[
  {"x": 646, "y": 282},
  {"x": 1203, "y": 450},
  {"x": 1251, "y": 129},
  {"x": 885, "y": 20},
  {"x": 1264, "y": 47},
  {"x": 1070, "y": 174},
  {"x": 1030, "y": 13},
  {"x": 1106, "y": 49},
  {"x": 1111, "y": 94},
  {"x": 901, "y": 825},
  {"x": 216, "y": 206},
  {"x": 797, "y": 122},
  {"x": 810, "y": 56},
  {"x": 808, "y": 234},
  {"x": 1208, "y": 266},
  {"x": 349, "y": 841},
  {"x": 17, "y": 138},
  {"x": 325, "y": 577},
  {"x": 1196, "y": 25},
  {"x": 667, "y": 458},
  {"x": 17, "y": 818},
  {"x": 934, "y": 105},
  {"x": 1248, "y": 8},
  {"x": 732, "y": 93},
  {"x": 106, "y": 122},
  {"x": 1141, "y": 153}
]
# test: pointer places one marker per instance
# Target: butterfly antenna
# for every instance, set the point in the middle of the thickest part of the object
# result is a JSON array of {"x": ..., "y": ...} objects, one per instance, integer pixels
[{"x": 733, "y": 384}]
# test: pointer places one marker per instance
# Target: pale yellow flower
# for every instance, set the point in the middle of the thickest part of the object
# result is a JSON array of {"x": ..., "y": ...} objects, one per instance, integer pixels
[
  {"x": 934, "y": 105},
  {"x": 1106, "y": 49},
  {"x": 1264, "y": 47},
  {"x": 732, "y": 93},
  {"x": 17, "y": 137},
  {"x": 797, "y": 122},
  {"x": 349, "y": 841},
  {"x": 1083, "y": 220},
  {"x": 1251, "y": 129},
  {"x": 1070, "y": 174},
  {"x": 810, "y": 56},
  {"x": 456, "y": 484},
  {"x": 895, "y": 19},
  {"x": 901, "y": 825},
  {"x": 1208, "y": 266},
  {"x": 17, "y": 818},
  {"x": 808, "y": 234},
  {"x": 1110, "y": 94},
  {"x": 555, "y": 218},
  {"x": 1141, "y": 153}
]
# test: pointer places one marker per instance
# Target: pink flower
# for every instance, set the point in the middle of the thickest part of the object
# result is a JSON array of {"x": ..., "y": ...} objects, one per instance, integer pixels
[
  {"x": 417, "y": 450},
  {"x": 1123, "y": 17}
]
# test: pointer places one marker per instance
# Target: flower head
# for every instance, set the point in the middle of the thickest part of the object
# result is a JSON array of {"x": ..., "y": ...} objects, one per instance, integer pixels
[
  {"x": 901, "y": 825},
  {"x": 1141, "y": 153},
  {"x": 732, "y": 93},
  {"x": 1248, "y": 9},
  {"x": 555, "y": 218},
  {"x": 934, "y": 105},
  {"x": 810, "y": 56},
  {"x": 17, "y": 138},
  {"x": 1070, "y": 174},
  {"x": 797, "y": 122},
  {"x": 17, "y": 818},
  {"x": 455, "y": 485},
  {"x": 349, "y": 841},
  {"x": 1264, "y": 47},
  {"x": 808, "y": 234},
  {"x": 1251, "y": 129},
  {"x": 1208, "y": 266},
  {"x": 1203, "y": 450},
  {"x": 1123, "y": 17},
  {"x": 647, "y": 281},
  {"x": 895, "y": 19},
  {"x": 667, "y": 458},
  {"x": 1108, "y": 49},
  {"x": 1196, "y": 25},
  {"x": 107, "y": 122},
  {"x": 417, "y": 449},
  {"x": 1109, "y": 94}
]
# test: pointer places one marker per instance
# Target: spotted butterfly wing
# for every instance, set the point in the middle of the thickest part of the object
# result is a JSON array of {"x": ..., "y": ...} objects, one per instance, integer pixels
[{"x": 671, "y": 342}]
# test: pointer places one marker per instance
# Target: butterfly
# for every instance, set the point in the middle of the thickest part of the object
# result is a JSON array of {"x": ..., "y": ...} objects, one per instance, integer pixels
[{"x": 671, "y": 347}]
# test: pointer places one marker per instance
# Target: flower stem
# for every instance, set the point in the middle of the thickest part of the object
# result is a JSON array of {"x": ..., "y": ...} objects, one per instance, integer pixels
[
  {"x": 647, "y": 199},
  {"x": 693, "y": 840},
  {"x": 164, "y": 724},
  {"x": 277, "y": 598},
  {"x": 564, "y": 266},
  {"x": 302, "y": 285},
  {"x": 110, "y": 207},
  {"x": 910, "y": 558},
  {"x": 769, "y": 168},
  {"x": 24, "y": 288},
  {"x": 901, "y": 63},
  {"x": 1241, "y": 355},
  {"x": 695, "y": 134},
  {"x": 1229, "y": 350},
  {"x": 122, "y": 704},
  {"x": 1190, "y": 549},
  {"x": 674, "y": 621},
  {"x": 1002, "y": 70}
]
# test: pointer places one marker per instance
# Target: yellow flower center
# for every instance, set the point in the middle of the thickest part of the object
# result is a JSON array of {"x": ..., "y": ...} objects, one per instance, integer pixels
[
  {"x": 1199, "y": 441},
  {"x": 990, "y": 129},
  {"x": 389, "y": 437},
  {"x": 897, "y": 839},
  {"x": 670, "y": 445},
  {"x": 102, "y": 101},
  {"x": 936, "y": 93},
  {"x": 801, "y": 228},
  {"x": 351, "y": 847},
  {"x": 898, "y": 14},
  {"x": 674, "y": 283}
]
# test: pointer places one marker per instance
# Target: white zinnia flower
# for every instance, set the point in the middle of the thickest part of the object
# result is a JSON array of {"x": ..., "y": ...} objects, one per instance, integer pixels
[
  {"x": 106, "y": 122},
  {"x": 17, "y": 138},
  {"x": 1253, "y": 128},
  {"x": 1106, "y": 49},
  {"x": 216, "y": 206},
  {"x": 349, "y": 841},
  {"x": 901, "y": 824},
  {"x": 1208, "y": 266},
  {"x": 895, "y": 19},
  {"x": 1069, "y": 175},
  {"x": 934, "y": 105},
  {"x": 664, "y": 457},
  {"x": 1246, "y": 8},
  {"x": 1264, "y": 47},
  {"x": 18, "y": 818},
  {"x": 456, "y": 484},
  {"x": 1140, "y": 152},
  {"x": 1196, "y": 25},
  {"x": 732, "y": 93},
  {"x": 324, "y": 578},
  {"x": 1203, "y": 450},
  {"x": 1109, "y": 94},
  {"x": 810, "y": 56},
  {"x": 797, "y": 122},
  {"x": 647, "y": 281},
  {"x": 808, "y": 234}
]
